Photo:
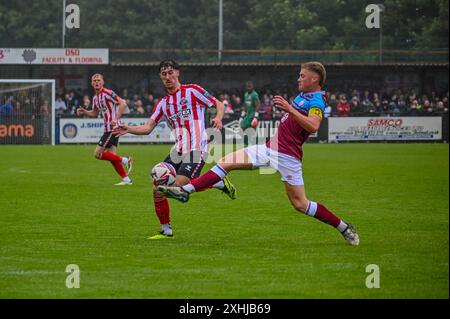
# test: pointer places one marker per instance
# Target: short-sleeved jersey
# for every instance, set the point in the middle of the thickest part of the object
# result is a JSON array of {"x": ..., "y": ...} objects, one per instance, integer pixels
[
  {"x": 184, "y": 111},
  {"x": 290, "y": 136},
  {"x": 250, "y": 99},
  {"x": 106, "y": 102}
]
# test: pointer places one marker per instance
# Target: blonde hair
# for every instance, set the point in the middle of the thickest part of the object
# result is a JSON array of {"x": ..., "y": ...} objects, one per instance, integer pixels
[
  {"x": 96, "y": 75},
  {"x": 318, "y": 68}
]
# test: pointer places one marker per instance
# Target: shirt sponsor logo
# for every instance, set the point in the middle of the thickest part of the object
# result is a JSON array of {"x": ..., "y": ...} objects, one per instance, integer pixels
[{"x": 185, "y": 114}]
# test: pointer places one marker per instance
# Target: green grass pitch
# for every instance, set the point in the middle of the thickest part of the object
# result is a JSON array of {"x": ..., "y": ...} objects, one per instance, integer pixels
[{"x": 58, "y": 206}]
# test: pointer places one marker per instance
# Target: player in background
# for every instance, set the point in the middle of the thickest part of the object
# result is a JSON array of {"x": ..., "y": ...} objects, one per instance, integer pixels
[
  {"x": 112, "y": 107},
  {"x": 249, "y": 116},
  {"x": 183, "y": 108},
  {"x": 282, "y": 152}
]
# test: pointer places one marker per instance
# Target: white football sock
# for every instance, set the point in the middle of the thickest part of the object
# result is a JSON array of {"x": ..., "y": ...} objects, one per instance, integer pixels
[
  {"x": 311, "y": 209},
  {"x": 219, "y": 171},
  {"x": 167, "y": 229},
  {"x": 342, "y": 226},
  {"x": 126, "y": 179}
]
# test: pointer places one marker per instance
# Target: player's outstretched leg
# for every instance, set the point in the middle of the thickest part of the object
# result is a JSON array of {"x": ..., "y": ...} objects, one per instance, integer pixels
[
  {"x": 298, "y": 199},
  {"x": 215, "y": 176},
  {"x": 225, "y": 186},
  {"x": 204, "y": 182},
  {"x": 162, "y": 210},
  {"x": 125, "y": 162}
]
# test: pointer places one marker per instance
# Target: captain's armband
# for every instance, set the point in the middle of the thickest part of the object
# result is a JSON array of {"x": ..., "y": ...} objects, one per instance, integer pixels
[{"x": 316, "y": 111}]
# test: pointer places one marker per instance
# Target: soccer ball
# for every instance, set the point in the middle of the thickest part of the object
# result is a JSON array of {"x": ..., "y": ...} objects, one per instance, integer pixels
[{"x": 163, "y": 174}]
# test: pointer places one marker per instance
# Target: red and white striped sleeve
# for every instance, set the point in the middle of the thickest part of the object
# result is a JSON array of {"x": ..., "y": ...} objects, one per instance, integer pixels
[
  {"x": 111, "y": 95},
  {"x": 203, "y": 96},
  {"x": 158, "y": 112}
]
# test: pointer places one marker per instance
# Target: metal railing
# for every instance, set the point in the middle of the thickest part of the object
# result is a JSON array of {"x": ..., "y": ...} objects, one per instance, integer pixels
[{"x": 275, "y": 57}]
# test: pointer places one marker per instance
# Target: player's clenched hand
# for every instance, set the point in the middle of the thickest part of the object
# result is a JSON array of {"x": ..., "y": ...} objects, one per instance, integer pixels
[
  {"x": 120, "y": 130},
  {"x": 281, "y": 103},
  {"x": 80, "y": 111},
  {"x": 217, "y": 123},
  {"x": 114, "y": 123}
]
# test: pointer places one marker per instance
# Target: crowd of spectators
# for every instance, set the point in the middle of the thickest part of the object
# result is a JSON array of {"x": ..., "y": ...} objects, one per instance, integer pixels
[
  {"x": 140, "y": 103},
  {"x": 399, "y": 102}
]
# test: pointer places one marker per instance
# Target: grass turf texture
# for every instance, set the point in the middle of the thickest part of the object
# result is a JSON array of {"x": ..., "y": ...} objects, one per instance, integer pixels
[{"x": 58, "y": 206}]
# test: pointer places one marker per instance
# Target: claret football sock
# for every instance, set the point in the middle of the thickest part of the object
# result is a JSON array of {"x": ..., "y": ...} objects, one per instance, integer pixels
[
  {"x": 321, "y": 213},
  {"x": 190, "y": 188},
  {"x": 207, "y": 180}
]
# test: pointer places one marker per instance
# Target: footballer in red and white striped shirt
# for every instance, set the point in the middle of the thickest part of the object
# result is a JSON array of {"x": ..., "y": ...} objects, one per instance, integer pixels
[
  {"x": 112, "y": 107},
  {"x": 184, "y": 111},
  {"x": 183, "y": 108},
  {"x": 106, "y": 101}
]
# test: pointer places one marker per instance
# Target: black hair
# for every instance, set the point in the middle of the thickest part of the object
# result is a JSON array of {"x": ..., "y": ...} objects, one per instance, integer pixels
[{"x": 168, "y": 63}]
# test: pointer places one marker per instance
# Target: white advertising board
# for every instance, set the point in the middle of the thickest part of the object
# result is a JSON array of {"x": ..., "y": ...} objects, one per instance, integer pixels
[
  {"x": 53, "y": 56},
  {"x": 82, "y": 130},
  {"x": 384, "y": 128}
]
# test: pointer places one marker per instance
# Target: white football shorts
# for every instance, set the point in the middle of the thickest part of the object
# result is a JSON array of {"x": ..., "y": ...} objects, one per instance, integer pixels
[{"x": 289, "y": 167}]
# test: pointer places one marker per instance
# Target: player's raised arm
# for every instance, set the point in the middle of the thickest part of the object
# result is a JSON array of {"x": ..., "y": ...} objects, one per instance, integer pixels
[{"x": 145, "y": 129}]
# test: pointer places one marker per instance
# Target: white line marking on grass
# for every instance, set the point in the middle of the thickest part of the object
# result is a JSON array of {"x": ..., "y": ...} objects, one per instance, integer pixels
[{"x": 18, "y": 170}]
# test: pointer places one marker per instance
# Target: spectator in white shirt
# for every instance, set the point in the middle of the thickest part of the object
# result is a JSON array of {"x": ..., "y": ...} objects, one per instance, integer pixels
[{"x": 60, "y": 106}]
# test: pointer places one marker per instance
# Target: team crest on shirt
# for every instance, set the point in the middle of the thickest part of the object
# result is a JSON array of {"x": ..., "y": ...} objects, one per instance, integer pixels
[{"x": 183, "y": 102}]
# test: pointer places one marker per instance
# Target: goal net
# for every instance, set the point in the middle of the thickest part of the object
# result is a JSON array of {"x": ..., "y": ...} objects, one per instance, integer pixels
[{"x": 27, "y": 113}]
